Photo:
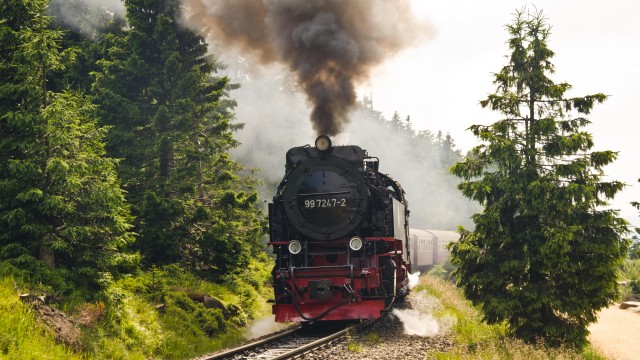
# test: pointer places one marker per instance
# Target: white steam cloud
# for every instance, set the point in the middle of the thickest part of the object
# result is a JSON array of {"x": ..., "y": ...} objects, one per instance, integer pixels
[
  {"x": 275, "y": 114},
  {"x": 420, "y": 320},
  {"x": 263, "y": 327},
  {"x": 414, "y": 279},
  {"x": 86, "y": 17},
  {"x": 416, "y": 323}
]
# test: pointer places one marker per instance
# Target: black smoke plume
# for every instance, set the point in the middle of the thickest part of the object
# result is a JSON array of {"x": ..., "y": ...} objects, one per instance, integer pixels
[{"x": 330, "y": 45}]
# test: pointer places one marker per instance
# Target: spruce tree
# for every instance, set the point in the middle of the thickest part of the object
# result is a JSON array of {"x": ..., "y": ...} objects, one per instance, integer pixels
[
  {"x": 60, "y": 200},
  {"x": 171, "y": 126},
  {"x": 87, "y": 27},
  {"x": 545, "y": 249}
]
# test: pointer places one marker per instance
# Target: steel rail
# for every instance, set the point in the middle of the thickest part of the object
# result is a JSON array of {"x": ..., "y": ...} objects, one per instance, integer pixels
[
  {"x": 310, "y": 346},
  {"x": 251, "y": 345},
  {"x": 286, "y": 351}
]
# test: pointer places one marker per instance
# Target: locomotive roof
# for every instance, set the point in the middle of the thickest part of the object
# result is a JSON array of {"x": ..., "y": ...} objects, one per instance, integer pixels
[{"x": 351, "y": 153}]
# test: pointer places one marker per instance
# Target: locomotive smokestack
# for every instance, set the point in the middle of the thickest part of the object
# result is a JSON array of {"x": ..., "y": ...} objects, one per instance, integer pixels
[{"x": 330, "y": 45}]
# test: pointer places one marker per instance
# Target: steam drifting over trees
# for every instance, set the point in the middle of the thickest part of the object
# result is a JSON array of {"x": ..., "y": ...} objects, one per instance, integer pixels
[
  {"x": 171, "y": 126},
  {"x": 330, "y": 45}
]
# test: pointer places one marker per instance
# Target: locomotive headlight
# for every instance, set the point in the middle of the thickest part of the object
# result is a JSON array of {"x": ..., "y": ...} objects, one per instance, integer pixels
[
  {"x": 295, "y": 246},
  {"x": 323, "y": 143},
  {"x": 355, "y": 243}
]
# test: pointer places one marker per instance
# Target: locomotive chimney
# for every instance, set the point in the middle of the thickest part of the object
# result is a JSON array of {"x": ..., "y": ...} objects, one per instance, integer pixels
[{"x": 323, "y": 143}]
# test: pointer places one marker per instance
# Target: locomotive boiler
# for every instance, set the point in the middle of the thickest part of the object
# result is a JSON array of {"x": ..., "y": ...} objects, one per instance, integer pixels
[{"x": 339, "y": 231}]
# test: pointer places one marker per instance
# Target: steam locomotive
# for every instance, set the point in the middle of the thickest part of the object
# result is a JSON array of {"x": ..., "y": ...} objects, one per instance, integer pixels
[{"x": 339, "y": 231}]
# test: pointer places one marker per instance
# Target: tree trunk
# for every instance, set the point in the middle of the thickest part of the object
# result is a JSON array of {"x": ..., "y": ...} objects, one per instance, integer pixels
[{"x": 46, "y": 256}]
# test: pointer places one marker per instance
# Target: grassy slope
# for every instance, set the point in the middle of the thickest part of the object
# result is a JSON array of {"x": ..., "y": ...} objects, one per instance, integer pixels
[
  {"x": 21, "y": 336},
  {"x": 477, "y": 340},
  {"x": 125, "y": 323}
]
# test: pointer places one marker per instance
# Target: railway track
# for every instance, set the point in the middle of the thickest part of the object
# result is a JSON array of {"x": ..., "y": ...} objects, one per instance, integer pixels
[{"x": 289, "y": 343}]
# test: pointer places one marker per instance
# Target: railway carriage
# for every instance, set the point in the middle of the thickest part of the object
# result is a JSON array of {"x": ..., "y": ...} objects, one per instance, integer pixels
[{"x": 430, "y": 247}]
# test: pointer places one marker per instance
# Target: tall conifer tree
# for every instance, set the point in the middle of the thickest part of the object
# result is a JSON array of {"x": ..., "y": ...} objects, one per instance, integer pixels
[
  {"x": 171, "y": 127},
  {"x": 545, "y": 249},
  {"x": 60, "y": 200}
]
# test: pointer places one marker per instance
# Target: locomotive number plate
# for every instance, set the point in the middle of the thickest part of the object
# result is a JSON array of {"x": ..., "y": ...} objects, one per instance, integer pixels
[{"x": 324, "y": 203}]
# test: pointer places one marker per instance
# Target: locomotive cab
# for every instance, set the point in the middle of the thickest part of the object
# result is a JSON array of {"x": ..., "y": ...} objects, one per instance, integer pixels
[{"x": 339, "y": 230}]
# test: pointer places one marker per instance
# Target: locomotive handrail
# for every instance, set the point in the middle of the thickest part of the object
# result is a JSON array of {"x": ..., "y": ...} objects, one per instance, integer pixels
[
  {"x": 381, "y": 238},
  {"x": 322, "y": 267},
  {"x": 326, "y": 252},
  {"x": 326, "y": 193}
]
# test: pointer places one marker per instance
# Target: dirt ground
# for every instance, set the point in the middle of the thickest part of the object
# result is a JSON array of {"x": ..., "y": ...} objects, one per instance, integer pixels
[{"x": 617, "y": 332}]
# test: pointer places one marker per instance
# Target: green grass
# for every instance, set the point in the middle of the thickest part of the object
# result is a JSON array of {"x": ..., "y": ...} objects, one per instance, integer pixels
[
  {"x": 474, "y": 339},
  {"x": 184, "y": 328},
  {"x": 371, "y": 338},
  {"x": 146, "y": 316},
  {"x": 21, "y": 335},
  {"x": 352, "y": 343}
]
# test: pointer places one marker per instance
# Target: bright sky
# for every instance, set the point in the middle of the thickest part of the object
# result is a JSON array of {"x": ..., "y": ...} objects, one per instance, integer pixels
[{"x": 440, "y": 81}]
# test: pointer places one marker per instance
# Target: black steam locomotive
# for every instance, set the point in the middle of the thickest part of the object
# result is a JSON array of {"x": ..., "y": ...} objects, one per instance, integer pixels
[{"x": 339, "y": 229}]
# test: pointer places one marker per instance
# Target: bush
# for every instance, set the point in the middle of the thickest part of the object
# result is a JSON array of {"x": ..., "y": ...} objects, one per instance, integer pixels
[
  {"x": 442, "y": 271},
  {"x": 630, "y": 271},
  {"x": 36, "y": 276},
  {"x": 635, "y": 286},
  {"x": 634, "y": 249},
  {"x": 211, "y": 321}
]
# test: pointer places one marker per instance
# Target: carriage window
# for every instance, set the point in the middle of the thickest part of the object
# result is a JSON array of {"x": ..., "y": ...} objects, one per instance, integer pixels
[{"x": 443, "y": 245}]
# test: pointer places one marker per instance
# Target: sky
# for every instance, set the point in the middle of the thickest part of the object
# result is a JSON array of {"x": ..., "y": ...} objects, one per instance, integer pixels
[{"x": 440, "y": 81}]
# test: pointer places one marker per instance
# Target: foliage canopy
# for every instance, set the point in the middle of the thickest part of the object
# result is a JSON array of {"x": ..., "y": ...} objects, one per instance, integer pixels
[
  {"x": 545, "y": 249},
  {"x": 171, "y": 126},
  {"x": 60, "y": 198}
]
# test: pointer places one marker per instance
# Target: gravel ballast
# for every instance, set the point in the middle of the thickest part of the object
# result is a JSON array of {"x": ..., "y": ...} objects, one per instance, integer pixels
[{"x": 390, "y": 338}]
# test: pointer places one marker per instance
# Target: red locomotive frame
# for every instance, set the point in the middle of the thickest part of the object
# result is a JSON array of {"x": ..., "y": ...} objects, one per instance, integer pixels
[{"x": 356, "y": 281}]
